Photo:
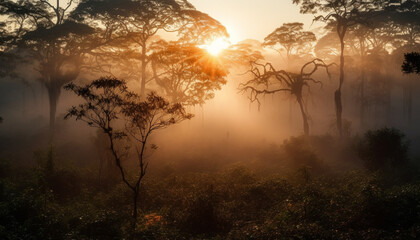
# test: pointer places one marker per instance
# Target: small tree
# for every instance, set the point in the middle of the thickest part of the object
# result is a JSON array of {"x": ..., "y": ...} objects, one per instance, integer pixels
[
  {"x": 267, "y": 80},
  {"x": 108, "y": 105}
]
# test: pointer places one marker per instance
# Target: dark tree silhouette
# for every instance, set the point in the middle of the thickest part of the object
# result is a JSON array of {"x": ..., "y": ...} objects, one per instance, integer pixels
[
  {"x": 267, "y": 80},
  {"x": 107, "y": 105},
  {"x": 55, "y": 43},
  {"x": 290, "y": 37},
  {"x": 360, "y": 33},
  {"x": 404, "y": 18},
  {"x": 411, "y": 63},
  {"x": 402, "y": 25},
  {"x": 187, "y": 74},
  {"x": 342, "y": 14}
]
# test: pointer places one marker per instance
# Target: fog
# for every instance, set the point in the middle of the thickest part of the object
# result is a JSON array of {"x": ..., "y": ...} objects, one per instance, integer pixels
[
  {"x": 140, "y": 119},
  {"x": 226, "y": 129}
]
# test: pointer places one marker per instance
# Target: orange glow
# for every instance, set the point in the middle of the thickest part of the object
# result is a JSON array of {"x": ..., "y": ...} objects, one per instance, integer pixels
[{"x": 216, "y": 46}]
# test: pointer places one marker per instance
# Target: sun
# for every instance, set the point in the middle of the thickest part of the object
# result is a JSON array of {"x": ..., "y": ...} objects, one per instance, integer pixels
[{"x": 216, "y": 46}]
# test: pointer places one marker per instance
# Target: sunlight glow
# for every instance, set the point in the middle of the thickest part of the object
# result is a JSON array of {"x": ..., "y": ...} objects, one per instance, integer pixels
[{"x": 217, "y": 46}]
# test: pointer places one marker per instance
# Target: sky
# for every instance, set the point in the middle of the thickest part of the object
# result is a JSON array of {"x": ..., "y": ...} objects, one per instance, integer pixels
[{"x": 253, "y": 19}]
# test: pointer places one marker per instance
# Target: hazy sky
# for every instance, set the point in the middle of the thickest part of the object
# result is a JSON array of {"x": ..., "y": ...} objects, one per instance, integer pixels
[{"x": 253, "y": 18}]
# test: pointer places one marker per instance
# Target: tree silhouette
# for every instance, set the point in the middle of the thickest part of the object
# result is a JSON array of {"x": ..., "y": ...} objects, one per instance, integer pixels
[
  {"x": 290, "y": 37},
  {"x": 55, "y": 43},
  {"x": 267, "y": 80},
  {"x": 341, "y": 14},
  {"x": 404, "y": 17},
  {"x": 136, "y": 23},
  {"x": 241, "y": 54},
  {"x": 108, "y": 105},
  {"x": 402, "y": 28},
  {"x": 187, "y": 74}
]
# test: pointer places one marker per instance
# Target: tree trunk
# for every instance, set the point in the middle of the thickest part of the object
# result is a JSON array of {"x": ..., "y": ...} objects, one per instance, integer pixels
[
  {"x": 337, "y": 95},
  {"x": 362, "y": 84},
  {"x": 362, "y": 98},
  {"x": 304, "y": 116},
  {"x": 407, "y": 100},
  {"x": 53, "y": 95},
  {"x": 135, "y": 197},
  {"x": 143, "y": 71}
]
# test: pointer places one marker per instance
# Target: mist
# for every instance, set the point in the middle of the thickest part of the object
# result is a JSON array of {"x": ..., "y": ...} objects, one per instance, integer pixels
[{"x": 150, "y": 120}]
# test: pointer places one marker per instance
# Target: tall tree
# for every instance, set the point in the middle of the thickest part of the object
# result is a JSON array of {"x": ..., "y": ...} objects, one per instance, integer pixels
[
  {"x": 55, "y": 43},
  {"x": 402, "y": 19},
  {"x": 341, "y": 14},
  {"x": 136, "y": 23}
]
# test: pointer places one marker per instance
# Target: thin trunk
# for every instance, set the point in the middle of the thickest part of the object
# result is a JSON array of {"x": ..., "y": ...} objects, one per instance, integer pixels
[
  {"x": 362, "y": 99},
  {"x": 143, "y": 71},
  {"x": 362, "y": 84},
  {"x": 407, "y": 101},
  {"x": 58, "y": 12},
  {"x": 291, "y": 113},
  {"x": 53, "y": 95},
  {"x": 135, "y": 197},
  {"x": 337, "y": 95},
  {"x": 304, "y": 116},
  {"x": 410, "y": 100}
]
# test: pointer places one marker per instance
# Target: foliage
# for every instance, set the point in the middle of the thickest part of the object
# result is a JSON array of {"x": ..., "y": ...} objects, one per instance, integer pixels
[
  {"x": 291, "y": 37},
  {"x": 411, "y": 63},
  {"x": 45, "y": 36},
  {"x": 132, "y": 27},
  {"x": 187, "y": 73},
  {"x": 383, "y": 149},
  {"x": 236, "y": 203},
  {"x": 107, "y": 100},
  {"x": 341, "y": 15}
]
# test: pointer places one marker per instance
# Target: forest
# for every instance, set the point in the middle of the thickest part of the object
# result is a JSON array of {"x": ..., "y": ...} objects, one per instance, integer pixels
[{"x": 149, "y": 119}]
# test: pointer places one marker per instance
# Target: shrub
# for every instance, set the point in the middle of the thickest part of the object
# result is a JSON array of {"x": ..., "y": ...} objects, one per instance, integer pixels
[{"x": 383, "y": 149}]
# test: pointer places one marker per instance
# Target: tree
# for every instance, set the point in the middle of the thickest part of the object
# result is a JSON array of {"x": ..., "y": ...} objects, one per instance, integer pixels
[
  {"x": 402, "y": 21},
  {"x": 404, "y": 17},
  {"x": 136, "y": 23},
  {"x": 411, "y": 63},
  {"x": 341, "y": 14},
  {"x": 267, "y": 80},
  {"x": 55, "y": 43},
  {"x": 241, "y": 54},
  {"x": 187, "y": 74},
  {"x": 291, "y": 38},
  {"x": 108, "y": 105}
]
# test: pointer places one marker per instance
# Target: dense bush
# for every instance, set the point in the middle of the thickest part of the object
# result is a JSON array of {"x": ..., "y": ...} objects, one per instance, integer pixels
[{"x": 382, "y": 149}]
